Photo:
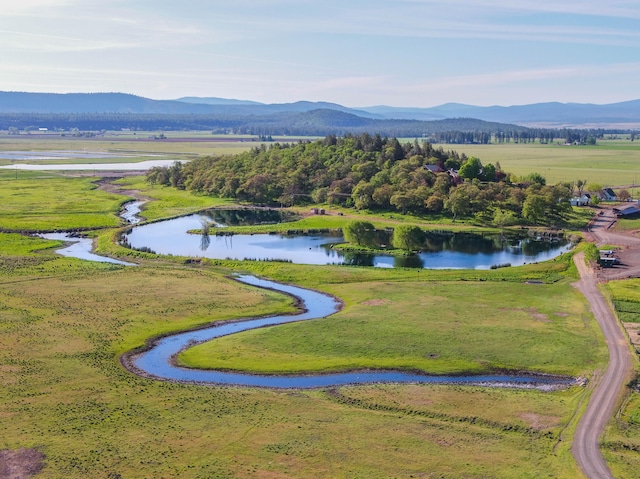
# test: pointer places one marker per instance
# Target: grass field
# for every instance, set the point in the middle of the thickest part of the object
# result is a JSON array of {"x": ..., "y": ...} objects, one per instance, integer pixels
[
  {"x": 622, "y": 437},
  {"x": 419, "y": 326},
  {"x": 64, "y": 322},
  {"x": 609, "y": 163},
  {"x": 56, "y": 203}
]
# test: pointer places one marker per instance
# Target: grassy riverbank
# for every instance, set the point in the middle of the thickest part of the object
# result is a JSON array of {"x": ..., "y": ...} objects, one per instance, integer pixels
[
  {"x": 64, "y": 323},
  {"x": 421, "y": 325}
]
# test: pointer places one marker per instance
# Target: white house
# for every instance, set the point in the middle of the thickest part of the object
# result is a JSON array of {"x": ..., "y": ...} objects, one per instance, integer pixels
[
  {"x": 583, "y": 200},
  {"x": 608, "y": 194}
]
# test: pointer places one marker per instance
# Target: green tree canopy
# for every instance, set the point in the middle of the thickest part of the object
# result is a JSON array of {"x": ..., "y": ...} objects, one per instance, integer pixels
[
  {"x": 408, "y": 237},
  {"x": 471, "y": 169},
  {"x": 359, "y": 232}
]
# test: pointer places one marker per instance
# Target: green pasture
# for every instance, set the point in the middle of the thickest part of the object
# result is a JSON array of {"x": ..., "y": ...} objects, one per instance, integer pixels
[
  {"x": 64, "y": 322},
  {"x": 621, "y": 441},
  {"x": 419, "y": 326},
  {"x": 627, "y": 224},
  {"x": 609, "y": 163},
  {"x": 56, "y": 203}
]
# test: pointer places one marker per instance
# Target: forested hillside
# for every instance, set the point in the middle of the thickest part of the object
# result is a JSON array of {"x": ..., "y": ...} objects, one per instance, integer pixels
[
  {"x": 372, "y": 172},
  {"x": 309, "y": 123}
]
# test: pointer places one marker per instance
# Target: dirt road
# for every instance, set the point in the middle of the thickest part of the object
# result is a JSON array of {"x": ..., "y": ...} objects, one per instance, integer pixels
[{"x": 609, "y": 386}]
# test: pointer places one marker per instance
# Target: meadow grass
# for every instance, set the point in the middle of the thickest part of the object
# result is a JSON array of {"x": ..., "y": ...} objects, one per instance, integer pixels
[
  {"x": 64, "y": 322},
  {"x": 56, "y": 203},
  {"x": 621, "y": 441},
  {"x": 611, "y": 162},
  {"x": 419, "y": 326},
  {"x": 65, "y": 393}
]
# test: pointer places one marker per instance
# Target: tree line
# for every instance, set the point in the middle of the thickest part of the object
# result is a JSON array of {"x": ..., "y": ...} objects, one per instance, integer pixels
[
  {"x": 310, "y": 123},
  {"x": 374, "y": 173}
]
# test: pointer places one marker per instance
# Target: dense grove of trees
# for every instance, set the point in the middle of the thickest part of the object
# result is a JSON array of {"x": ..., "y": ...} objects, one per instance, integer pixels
[{"x": 375, "y": 173}]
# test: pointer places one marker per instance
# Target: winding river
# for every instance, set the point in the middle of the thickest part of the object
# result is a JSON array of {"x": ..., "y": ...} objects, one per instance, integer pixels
[{"x": 158, "y": 360}]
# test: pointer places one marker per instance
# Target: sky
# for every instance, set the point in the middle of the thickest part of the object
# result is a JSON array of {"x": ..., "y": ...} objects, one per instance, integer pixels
[{"x": 404, "y": 53}]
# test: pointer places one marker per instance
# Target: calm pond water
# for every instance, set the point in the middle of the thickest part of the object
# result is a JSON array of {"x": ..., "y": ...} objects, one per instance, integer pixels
[
  {"x": 443, "y": 250},
  {"x": 158, "y": 361}
]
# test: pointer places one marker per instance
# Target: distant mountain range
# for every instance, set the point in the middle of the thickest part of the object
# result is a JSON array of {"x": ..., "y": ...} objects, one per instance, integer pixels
[{"x": 551, "y": 114}]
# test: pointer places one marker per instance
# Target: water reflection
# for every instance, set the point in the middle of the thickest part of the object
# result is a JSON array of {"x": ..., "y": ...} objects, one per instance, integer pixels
[
  {"x": 441, "y": 249},
  {"x": 205, "y": 242}
]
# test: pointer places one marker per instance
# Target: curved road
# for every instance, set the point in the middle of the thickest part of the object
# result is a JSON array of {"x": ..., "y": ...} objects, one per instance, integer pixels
[{"x": 609, "y": 386}]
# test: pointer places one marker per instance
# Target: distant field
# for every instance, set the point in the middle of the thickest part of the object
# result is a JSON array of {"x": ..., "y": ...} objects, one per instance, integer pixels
[
  {"x": 610, "y": 163},
  {"x": 140, "y": 146},
  {"x": 40, "y": 203}
]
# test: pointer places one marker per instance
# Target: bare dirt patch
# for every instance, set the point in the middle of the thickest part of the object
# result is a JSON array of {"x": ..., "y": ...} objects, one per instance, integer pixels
[
  {"x": 534, "y": 314},
  {"x": 633, "y": 331},
  {"x": 376, "y": 302},
  {"x": 107, "y": 185},
  {"x": 20, "y": 463},
  {"x": 537, "y": 421}
]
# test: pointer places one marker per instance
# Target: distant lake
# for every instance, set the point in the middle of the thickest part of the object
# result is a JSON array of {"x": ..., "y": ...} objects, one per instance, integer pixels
[
  {"x": 442, "y": 250},
  {"x": 140, "y": 165}
]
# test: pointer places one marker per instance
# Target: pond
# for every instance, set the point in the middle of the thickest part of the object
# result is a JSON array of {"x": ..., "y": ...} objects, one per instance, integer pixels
[{"x": 442, "y": 250}]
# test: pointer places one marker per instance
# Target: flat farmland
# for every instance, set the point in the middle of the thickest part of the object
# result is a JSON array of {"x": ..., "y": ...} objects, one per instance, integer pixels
[
  {"x": 125, "y": 147},
  {"x": 609, "y": 163}
]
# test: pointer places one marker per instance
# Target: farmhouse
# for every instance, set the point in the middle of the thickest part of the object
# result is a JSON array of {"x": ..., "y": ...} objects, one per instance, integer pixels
[
  {"x": 608, "y": 194},
  {"x": 583, "y": 200},
  {"x": 434, "y": 168}
]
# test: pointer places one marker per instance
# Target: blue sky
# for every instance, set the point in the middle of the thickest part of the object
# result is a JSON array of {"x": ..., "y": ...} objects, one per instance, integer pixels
[{"x": 413, "y": 53}]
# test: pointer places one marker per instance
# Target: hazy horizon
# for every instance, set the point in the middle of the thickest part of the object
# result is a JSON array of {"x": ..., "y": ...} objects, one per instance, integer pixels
[{"x": 405, "y": 53}]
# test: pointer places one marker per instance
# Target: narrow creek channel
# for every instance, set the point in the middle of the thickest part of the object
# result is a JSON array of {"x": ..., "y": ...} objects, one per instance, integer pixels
[{"x": 159, "y": 360}]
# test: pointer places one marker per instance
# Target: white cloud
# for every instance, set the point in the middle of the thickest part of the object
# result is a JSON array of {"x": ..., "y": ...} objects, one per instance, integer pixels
[
  {"x": 611, "y": 8},
  {"x": 21, "y": 7}
]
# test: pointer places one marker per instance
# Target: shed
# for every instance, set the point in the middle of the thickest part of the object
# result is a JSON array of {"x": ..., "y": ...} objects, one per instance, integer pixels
[{"x": 627, "y": 212}]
